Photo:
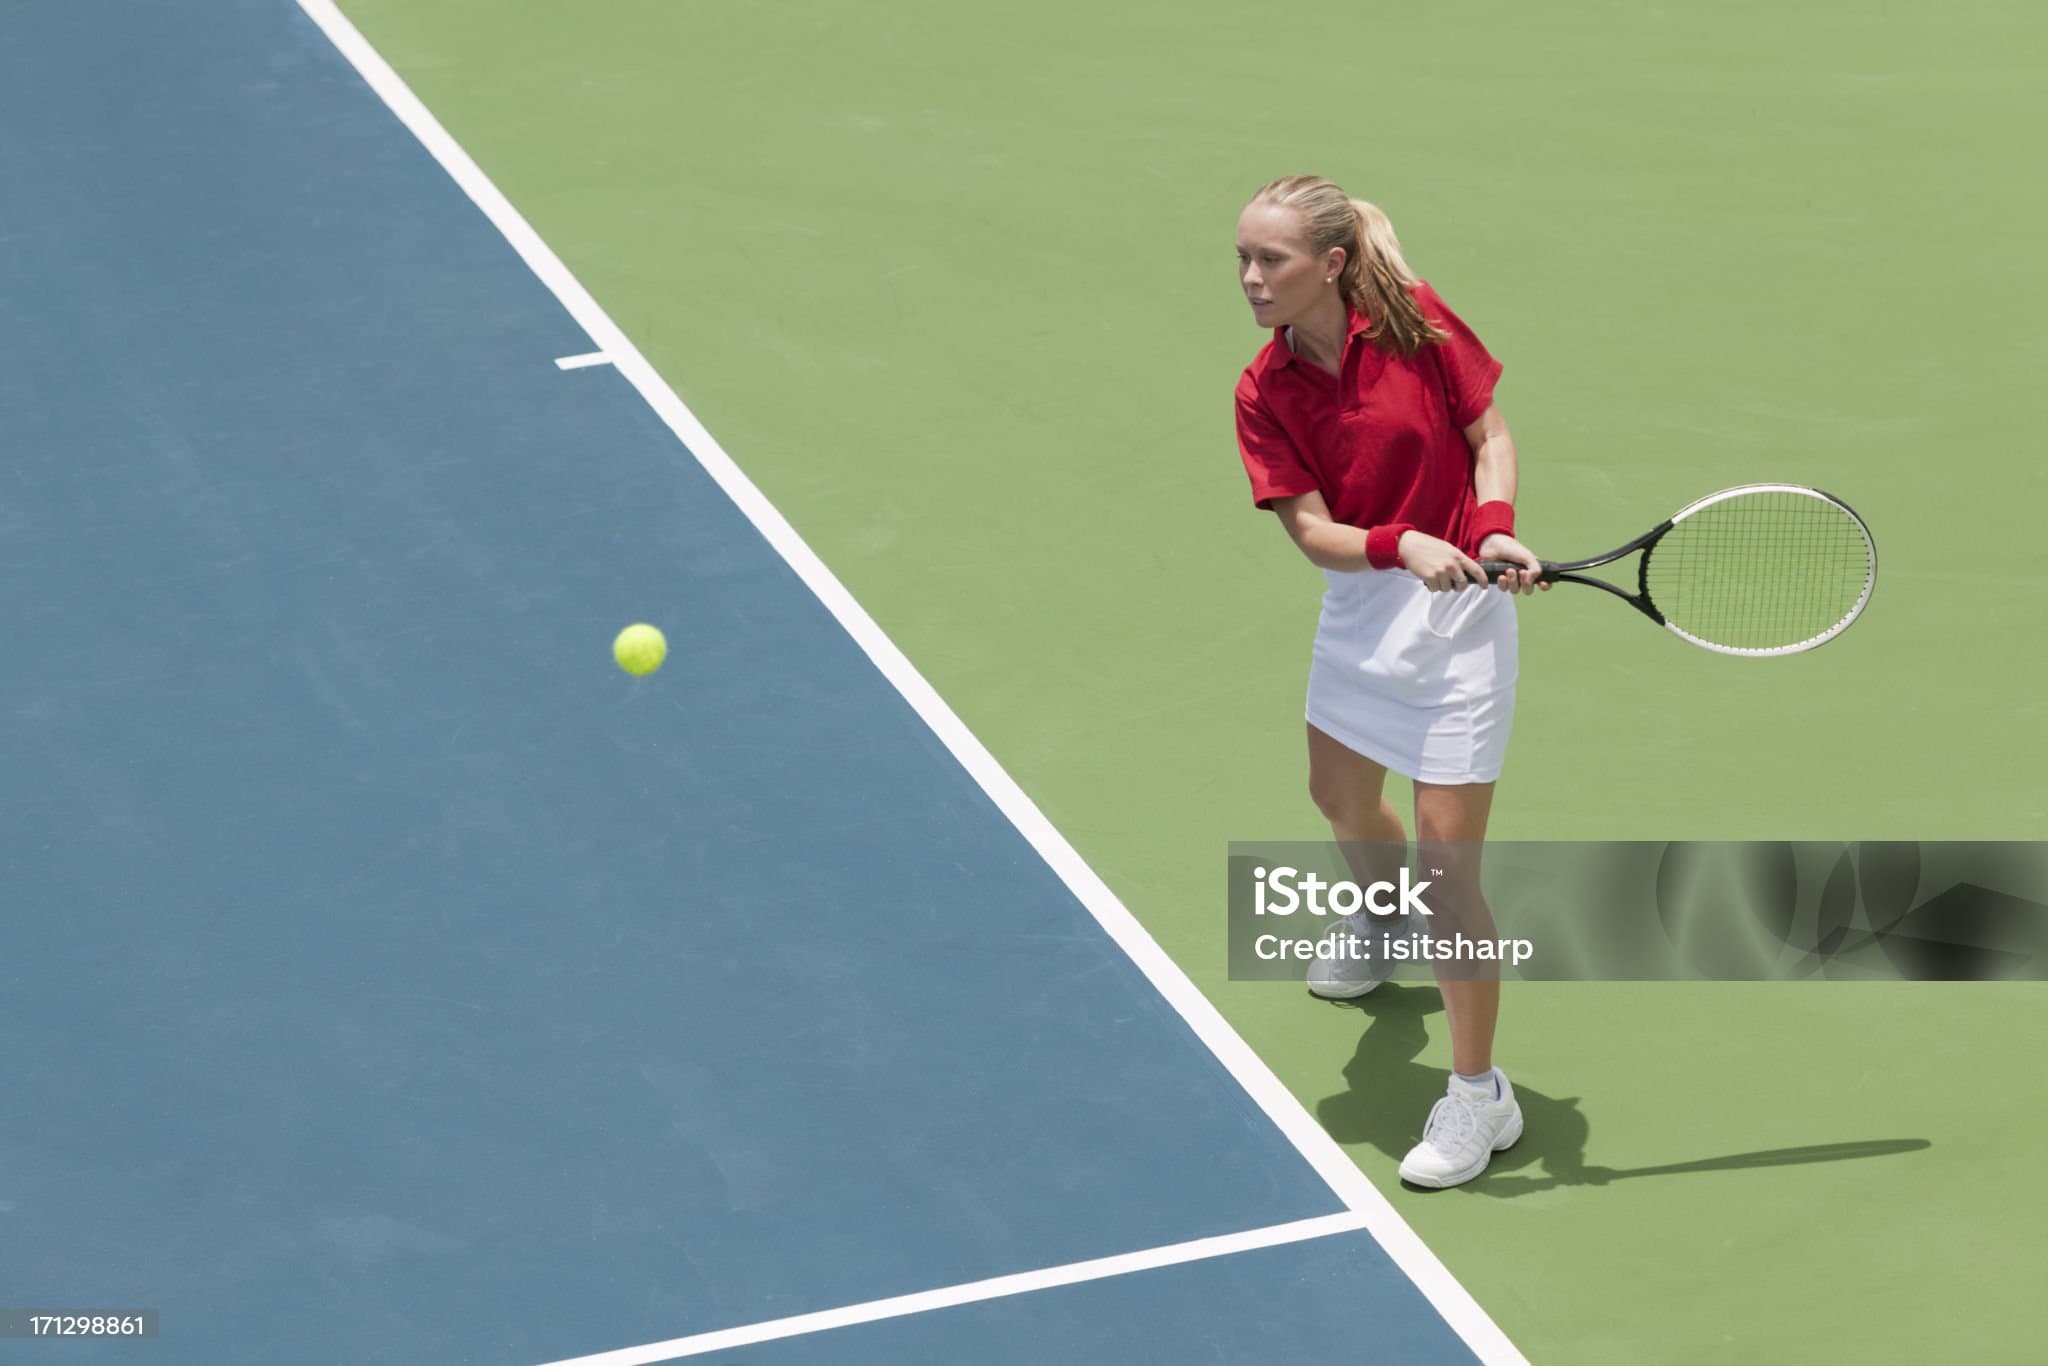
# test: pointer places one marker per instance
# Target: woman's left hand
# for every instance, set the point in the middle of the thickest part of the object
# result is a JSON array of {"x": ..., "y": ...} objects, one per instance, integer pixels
[{"x": 1503, "y": 547}]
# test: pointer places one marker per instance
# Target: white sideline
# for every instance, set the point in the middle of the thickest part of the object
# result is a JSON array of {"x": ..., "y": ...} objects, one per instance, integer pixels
[
  {"x": 994, "y": 1288},
  {"x": 1450, "y": 1299}
]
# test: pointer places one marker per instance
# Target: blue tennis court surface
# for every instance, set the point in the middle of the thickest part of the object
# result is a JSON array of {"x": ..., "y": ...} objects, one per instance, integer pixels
[{"x": 388, "y": 978}]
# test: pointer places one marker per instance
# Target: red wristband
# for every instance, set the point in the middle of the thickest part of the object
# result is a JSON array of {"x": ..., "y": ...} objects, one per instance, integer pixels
[
  {"x": 1496, "y": 517},
  {"x": 1383, "y": 545}
]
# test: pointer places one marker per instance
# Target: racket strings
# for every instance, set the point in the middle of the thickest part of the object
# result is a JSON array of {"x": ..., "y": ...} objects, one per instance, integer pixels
[{"x": 1761, "y": 571}]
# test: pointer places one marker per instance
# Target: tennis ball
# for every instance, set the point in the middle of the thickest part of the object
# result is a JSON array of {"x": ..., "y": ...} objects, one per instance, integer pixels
[{"x": 640, "y": 649}]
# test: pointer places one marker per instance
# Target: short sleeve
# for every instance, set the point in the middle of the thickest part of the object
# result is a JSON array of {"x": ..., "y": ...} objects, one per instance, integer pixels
[
  {"x": 1469, "y": 370},
  {"x": 1270, "y": 458}
]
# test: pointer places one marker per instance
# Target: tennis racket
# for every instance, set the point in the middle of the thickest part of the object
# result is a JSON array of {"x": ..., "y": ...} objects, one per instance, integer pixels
[{"x": 1765, "y": 569}]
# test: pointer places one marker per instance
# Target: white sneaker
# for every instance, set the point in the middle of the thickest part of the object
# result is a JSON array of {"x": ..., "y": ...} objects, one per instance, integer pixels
[
  {"x": 1466, "y": 1128},
  {"x": 1340, "y": 979}
]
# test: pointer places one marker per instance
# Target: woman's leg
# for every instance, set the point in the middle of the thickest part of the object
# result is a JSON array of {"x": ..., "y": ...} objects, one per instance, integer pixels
[
  {"x": 1350, "y": 790},
  {"x": 1478, "y": 1115},
  {"x": 1450, "y": 824}
]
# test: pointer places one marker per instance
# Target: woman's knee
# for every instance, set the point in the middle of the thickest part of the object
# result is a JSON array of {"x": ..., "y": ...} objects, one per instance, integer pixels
[
  {"x": 1351, "y": 802},
  {"x": 1338, "y": 800},
  {"x": 1346, "y": 787},
  {"x": 1452, "y": 815}
]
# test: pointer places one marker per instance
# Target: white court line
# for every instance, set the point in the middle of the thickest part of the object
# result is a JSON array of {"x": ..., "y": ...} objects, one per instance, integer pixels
[
  {"x": 582, "y": 362},
  {"x": 995, "y": 1288},
  {"x": 1322, "y": 1153}
]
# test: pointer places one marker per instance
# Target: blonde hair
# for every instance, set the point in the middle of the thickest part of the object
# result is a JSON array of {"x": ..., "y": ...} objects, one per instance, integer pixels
[{"x": 1376, "y": 278}]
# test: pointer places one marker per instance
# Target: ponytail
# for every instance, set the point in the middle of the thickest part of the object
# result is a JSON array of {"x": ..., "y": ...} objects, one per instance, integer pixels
[{"x": 1376, "y": 281}]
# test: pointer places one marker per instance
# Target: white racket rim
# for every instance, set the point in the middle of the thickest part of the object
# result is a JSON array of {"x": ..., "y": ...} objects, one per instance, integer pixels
[{"x": 1812, "y": 642}]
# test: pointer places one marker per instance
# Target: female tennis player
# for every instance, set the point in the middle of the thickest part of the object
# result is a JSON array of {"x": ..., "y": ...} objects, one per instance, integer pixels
[{"x": 1367, "y": 423}]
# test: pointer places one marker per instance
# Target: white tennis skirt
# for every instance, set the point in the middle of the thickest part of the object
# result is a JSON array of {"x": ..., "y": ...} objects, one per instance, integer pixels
[{"x": 1422, "y": 683}]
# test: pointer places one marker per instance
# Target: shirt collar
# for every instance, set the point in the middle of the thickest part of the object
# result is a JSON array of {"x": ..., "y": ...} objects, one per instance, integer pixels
[{"x": 1277, "y": 355}]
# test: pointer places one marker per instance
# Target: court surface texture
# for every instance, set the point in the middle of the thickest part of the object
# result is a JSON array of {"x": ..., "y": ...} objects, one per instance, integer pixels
[{"x": 392, "y": 979}]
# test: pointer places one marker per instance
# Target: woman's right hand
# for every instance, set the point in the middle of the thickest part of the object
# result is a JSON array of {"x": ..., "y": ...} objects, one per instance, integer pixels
[{"x": 1441, "y": 565}]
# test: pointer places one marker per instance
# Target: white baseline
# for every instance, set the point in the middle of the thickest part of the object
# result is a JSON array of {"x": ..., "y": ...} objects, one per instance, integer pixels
[{"x": 1451, "y": 1299}]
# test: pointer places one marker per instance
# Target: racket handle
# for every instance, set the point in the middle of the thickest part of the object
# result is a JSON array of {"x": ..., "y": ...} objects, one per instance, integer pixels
[{"x": 1493, "y": 569}]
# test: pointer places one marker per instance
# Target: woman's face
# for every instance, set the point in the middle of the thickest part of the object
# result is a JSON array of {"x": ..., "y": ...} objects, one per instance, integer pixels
[{"x": 1281, "y": 280}]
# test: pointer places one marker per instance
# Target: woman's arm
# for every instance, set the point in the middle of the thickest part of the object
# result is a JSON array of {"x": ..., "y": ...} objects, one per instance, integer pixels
[
  {"x": 1331, "y": 544},
  {"x": 1495, "y": 476},
  {"x": 1493, "y": 451},
  {"x": 1328, "y": 543}
]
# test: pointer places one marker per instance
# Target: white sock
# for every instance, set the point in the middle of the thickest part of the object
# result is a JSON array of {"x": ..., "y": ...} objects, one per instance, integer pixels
[{"x": 1490, "y": 1079}]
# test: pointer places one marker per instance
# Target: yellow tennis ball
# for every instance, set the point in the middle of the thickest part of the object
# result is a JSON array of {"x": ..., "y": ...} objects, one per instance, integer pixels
[{"x": 640, "y": 649}]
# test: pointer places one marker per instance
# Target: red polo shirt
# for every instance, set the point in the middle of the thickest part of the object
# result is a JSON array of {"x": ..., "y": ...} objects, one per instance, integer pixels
[{"x": 1383, "y": 440}]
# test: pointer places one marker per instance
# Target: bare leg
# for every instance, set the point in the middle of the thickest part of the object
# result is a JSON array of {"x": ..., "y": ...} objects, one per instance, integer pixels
[
  {"x": 1456, "y": 816},
  {"x": 1350, "y": 790}
]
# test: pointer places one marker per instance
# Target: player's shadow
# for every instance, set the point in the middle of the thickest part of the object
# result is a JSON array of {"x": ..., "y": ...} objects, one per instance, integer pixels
[{"x": 1389, "y": 1094}]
